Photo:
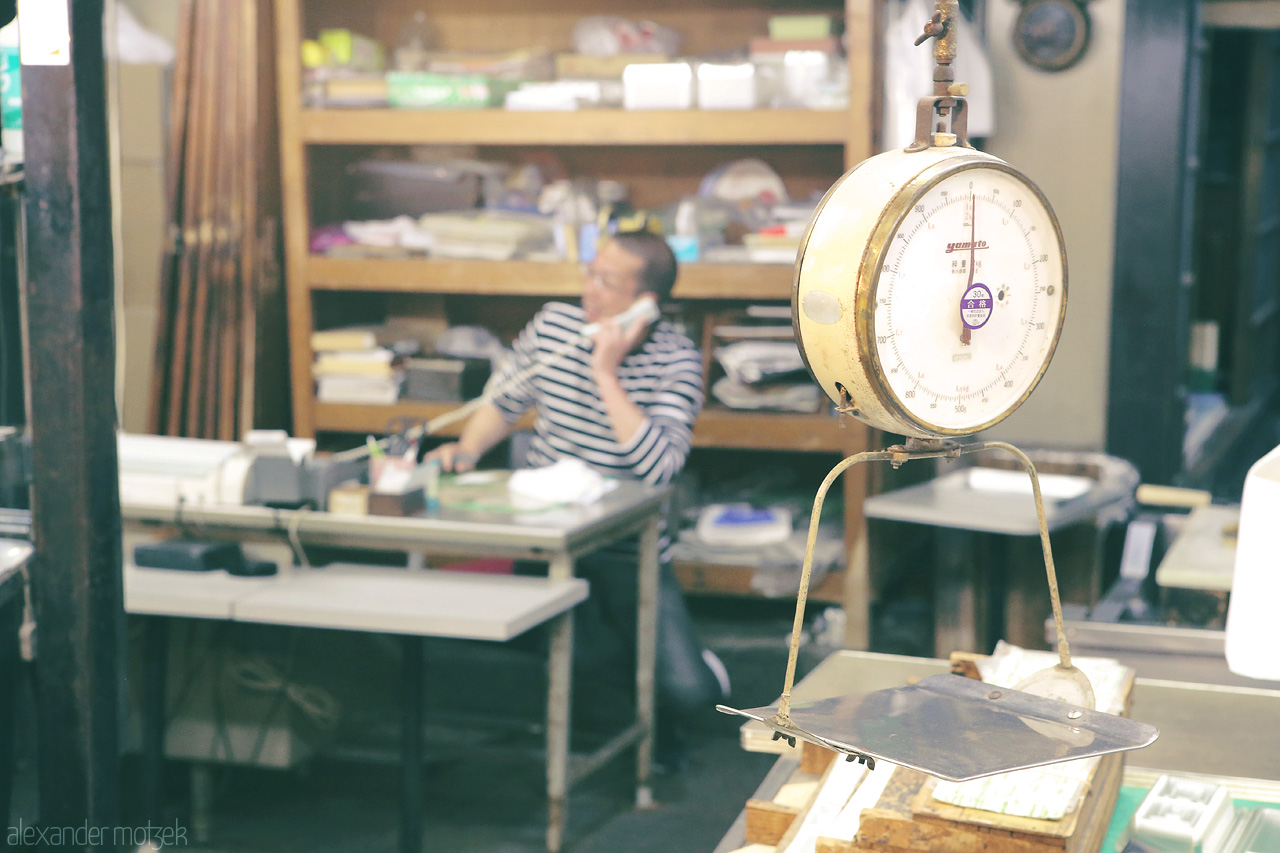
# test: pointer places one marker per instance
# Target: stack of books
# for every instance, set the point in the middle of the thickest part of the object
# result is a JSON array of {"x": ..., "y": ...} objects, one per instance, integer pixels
[{"x": 351, "y": 367}]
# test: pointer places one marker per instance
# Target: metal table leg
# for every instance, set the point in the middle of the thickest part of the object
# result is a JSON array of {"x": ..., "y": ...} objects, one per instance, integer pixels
[
  {"x": 559, "y": 699},
  {"x": 411, "y": 746},
  {"x": 201, "y": 802},
  {"x": 10, "y": 623},
  {"x": 646, "y": 657},
  {"x": 559, "y": 696},
  {"x": 155, "y": 659}
]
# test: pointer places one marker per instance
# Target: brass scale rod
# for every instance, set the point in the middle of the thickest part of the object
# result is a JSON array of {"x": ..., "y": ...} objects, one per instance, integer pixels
[{"x": 898, "y": 455}]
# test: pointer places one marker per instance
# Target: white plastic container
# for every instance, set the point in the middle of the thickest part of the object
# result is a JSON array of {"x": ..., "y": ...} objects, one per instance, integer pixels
[
  {"x": 657, "y": 86},
  {"x": 1182, "y": 815},
  {"x": 730, "y": 86},
  {"x": 1253, "y": 631}
]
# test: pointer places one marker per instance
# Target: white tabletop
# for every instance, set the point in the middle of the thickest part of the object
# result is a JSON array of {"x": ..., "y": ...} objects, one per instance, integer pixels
[
  {"x": 199, "y": 595},
  {"x": 13, "y": 554},
  {"x": 462, "y": 528},
  {"x": 1203, "y": 555},
  {"x": 395, "y": 601},
  {"x": 965, "y": 499},
  {"x": 359, "y": 598}
]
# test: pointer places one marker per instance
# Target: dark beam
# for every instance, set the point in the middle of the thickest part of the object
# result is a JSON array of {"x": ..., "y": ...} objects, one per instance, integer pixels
[
  {"x": 1155, "y": 183},
  {"x": 75, "y": 575}
]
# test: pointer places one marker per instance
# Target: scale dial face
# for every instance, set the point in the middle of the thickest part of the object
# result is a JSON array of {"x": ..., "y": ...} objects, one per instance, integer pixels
[
  {"x": 957, "y": 306},
  {"x": 969, "y": 300}
]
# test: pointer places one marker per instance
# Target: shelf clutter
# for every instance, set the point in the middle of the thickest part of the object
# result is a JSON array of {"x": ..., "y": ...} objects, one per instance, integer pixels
[
  {"x": 412, "y": 358},
  {"x": 756, "y": 517},
  {"x": 614, "y": 62},
  {"x": 442, "y": 202},
  {"x": 434, "y": 204}
]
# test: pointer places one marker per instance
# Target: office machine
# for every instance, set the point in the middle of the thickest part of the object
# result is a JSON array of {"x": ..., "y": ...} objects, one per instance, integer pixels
[{"x": 268, "y": 468}]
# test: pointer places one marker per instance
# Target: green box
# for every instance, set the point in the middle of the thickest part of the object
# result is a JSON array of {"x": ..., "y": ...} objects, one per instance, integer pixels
[
  {"x": 429, "y": 90},
  {"x": 791, "y": 27}
]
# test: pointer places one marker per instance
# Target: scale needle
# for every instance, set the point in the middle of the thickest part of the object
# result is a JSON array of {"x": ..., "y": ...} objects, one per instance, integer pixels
[{"x": 966, "y": 334}]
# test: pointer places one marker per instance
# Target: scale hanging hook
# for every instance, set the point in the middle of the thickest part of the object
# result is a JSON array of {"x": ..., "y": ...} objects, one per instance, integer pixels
[{"x": 935, "y": 28}]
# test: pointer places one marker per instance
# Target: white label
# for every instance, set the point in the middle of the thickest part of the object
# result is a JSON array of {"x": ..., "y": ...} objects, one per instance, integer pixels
[{"x": 44, "y": 32}]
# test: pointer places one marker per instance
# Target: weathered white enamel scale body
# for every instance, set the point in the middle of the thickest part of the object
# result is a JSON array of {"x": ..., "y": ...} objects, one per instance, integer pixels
[{"x": 931, "y": 285}]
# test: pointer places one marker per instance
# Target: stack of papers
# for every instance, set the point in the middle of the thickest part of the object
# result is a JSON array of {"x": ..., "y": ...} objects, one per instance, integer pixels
[
  {"x": 1050, "y": 792},
  {"x": 743, "y": 526},
  {"x": 350, "y": 368}
]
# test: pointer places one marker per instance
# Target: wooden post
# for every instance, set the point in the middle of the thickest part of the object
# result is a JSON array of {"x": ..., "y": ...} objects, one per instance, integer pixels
[{"x": 75, "y": 572}]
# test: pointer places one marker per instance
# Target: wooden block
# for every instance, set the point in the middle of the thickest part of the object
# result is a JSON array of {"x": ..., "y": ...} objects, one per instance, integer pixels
[
  {"x": 1034, "y": 832},
  {"x": 767, "y": 822},
  {"x": 966, "y": 664},
  {"x": 882, "y": 832},
  {"x": 798, "y": 791},
  {"x": 915, "y": 821},
  {"x": 892, "y": 826},
  {"x": 832, "y": 845},
  {"x": 1099, "y": 804},
  {"x": 401, "y": 504},
  {"x": 349, "y": 498},
  {"x": 815, "y": 759}
]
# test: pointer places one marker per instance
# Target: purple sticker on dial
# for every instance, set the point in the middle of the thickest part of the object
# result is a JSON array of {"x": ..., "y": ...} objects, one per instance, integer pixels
[{"x": 975, "y": 307}]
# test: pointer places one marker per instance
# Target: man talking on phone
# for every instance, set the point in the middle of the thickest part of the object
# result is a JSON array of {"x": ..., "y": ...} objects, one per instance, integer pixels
[{"x": 623, "y": 400}]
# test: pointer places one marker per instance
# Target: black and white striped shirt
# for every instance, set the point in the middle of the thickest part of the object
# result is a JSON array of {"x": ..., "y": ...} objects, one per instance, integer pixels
[{"x": 663, "y": 377}]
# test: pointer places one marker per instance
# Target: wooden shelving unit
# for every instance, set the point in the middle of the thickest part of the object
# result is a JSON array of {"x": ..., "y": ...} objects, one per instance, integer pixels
[
  {"x": 585, "y": 127},
  {"x": 531, "y": 278},
  {"x": 662, "y": 155}
]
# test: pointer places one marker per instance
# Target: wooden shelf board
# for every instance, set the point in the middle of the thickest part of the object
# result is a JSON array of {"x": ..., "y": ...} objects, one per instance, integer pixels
[
  {"x": 343, "y": 417},
  {"x": 437, "y": 275},
  {"x": 726, "y": 428},
  {"x": 532, "y": 278},
  {"x": 583, "y": 127},
  {"x": 714, "y": 428}
]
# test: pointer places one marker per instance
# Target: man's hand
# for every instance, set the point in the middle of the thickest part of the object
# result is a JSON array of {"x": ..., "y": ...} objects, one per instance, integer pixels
[
  {"x": 612, "y": 345},
  {"x": 453, "y": 459}
]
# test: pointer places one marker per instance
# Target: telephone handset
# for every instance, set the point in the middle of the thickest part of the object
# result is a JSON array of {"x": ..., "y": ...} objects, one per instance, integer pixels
[{"x": 643, "y": 310}]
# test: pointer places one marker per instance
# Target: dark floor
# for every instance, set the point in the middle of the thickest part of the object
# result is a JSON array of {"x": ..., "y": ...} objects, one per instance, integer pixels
[{"x": 478, "y": 795}]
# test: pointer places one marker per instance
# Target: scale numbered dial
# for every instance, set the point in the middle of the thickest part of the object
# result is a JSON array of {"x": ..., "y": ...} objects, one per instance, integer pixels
[{"x": 930, "y": 291}]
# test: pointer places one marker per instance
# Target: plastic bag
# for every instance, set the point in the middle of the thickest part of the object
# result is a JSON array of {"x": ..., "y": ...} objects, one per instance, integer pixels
[{"x": 608, "y": 35}]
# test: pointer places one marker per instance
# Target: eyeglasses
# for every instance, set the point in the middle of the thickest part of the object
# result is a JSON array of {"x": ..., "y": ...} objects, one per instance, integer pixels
[{"x": 617, "y": 285}]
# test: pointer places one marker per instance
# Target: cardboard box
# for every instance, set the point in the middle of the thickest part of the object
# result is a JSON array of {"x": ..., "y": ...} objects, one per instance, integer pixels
[
  {"x": 428, "y": 90},
  {"x": 586, "y": 67},
  {"x": 445, "y": 379}
]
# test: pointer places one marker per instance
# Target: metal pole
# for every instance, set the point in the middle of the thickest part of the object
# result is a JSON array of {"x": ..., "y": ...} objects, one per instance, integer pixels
[{"x": 75, "y": 572}]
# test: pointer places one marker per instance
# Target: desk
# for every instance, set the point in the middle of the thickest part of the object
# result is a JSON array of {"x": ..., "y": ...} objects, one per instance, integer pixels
[
  {"x": 1203, "y": 554},
  {"x": 558, "y": 535},
  {"x": 989, "y": 581}
]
